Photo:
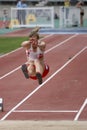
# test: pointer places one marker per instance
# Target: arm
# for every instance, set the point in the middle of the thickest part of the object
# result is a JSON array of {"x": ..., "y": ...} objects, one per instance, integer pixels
[
  {"x": 26, "y": 44},
  {"x": 79, "y": 4},
  {"x": 42, "y": 45}
]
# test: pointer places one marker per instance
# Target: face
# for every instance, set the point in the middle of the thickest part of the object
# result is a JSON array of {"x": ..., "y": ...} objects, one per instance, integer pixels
[{"x": 34, "y": 41}]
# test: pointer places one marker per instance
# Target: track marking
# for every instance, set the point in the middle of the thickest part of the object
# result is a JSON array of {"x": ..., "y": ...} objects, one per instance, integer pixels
[
  {"x": 48, "y": 111},
  {"x": 10, "y": 73},
  {"x": 21, "y": 47},
  {"x": 45, "y": 52},
  {"x": 61, "y": 43},
  {"x": 1, "y": 56},
  {"x": 30, "y": 94},
  {"x": 81, "y": 109}
]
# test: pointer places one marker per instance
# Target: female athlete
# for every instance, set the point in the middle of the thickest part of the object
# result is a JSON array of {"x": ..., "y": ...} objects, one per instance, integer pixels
[{"x": 35, "y": 67}]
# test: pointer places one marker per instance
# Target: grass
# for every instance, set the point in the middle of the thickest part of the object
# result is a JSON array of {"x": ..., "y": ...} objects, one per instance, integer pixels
[{"x": 8, "y": 44}]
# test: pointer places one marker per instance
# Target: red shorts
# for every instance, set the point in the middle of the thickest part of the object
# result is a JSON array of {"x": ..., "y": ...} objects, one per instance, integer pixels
[{"x": 46, "y": 71}]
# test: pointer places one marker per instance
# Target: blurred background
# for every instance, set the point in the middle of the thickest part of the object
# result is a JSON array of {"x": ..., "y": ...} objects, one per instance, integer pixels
[{"x": 55, "y": 14}]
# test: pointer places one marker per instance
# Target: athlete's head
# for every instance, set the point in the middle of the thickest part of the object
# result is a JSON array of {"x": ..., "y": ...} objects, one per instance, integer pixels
[
  {"x": 34, "y": 35},
  {"x": 34, "y": 39},
  {"x": 34, "y": 32}
]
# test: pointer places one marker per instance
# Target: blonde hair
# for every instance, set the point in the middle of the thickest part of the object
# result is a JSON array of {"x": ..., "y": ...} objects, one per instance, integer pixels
[{"x": 32, "y": 34}]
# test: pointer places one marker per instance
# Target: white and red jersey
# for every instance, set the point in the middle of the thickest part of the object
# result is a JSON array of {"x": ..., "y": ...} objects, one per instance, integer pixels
[{"x": 32, "y": 55}]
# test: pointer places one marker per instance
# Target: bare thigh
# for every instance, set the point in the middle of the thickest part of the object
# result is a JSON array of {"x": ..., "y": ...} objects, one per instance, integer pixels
[
  {"x": 31, "y": 69},
  {"x": 39, "y": 66}
]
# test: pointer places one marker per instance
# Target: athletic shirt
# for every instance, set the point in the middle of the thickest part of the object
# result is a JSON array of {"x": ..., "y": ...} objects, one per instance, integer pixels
[{"x": 32, "y": 55}]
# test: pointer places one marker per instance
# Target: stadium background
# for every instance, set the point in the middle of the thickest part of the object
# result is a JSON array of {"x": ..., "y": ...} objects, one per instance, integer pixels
[
  {"x": 21, "y": 125},
  {"x": 7, "y": 4}
]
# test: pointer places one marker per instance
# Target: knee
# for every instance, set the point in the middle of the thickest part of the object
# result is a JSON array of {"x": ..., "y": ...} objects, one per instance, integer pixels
[
  {"x": 37, "y": 61},
  {"x": 31, "y": 70}
]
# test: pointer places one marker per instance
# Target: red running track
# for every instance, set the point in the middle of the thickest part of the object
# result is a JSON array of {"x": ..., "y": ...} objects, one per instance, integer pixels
[{"x": 63, "y": 94}]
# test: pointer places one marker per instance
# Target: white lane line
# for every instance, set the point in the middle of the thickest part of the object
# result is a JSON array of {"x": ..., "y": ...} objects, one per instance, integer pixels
[
  {"x": 45, "y": 52},
  {"x": 48, "y": 111},
  {"x": 30, "y": 94},
  {"x": 61, "y": 43},
  {"x": 81, "y": 109},
  {"x": 10, "y": 73},
  {"x": 1, "y": 56}
]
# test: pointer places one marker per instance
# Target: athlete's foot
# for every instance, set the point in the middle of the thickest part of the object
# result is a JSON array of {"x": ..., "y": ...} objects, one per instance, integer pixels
[
  {"x": 24, "y": 70},
  {"x": 39, "y": 77}
]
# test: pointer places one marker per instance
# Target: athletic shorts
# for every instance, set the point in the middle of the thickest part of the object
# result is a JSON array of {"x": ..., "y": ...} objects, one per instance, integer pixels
[{"x": 46, "y": 71}]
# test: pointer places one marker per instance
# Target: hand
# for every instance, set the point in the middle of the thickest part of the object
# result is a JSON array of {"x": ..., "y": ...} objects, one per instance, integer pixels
[{"x": 33, "y": 41}]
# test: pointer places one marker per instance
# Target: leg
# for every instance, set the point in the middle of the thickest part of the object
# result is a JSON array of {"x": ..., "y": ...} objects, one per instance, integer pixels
[
  {"x": 39, "y": 77},
  {"x": 31, "y": 70},
  {"x": 25, "y": 71},
  {"x": 39, "y": 66},
  {"x": 39, "y": 70},
  {"x": 81, "y": 20}
]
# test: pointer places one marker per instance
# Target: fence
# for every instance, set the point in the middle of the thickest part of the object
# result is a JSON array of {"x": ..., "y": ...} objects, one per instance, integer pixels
[{"x": 31, "y": 17}]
